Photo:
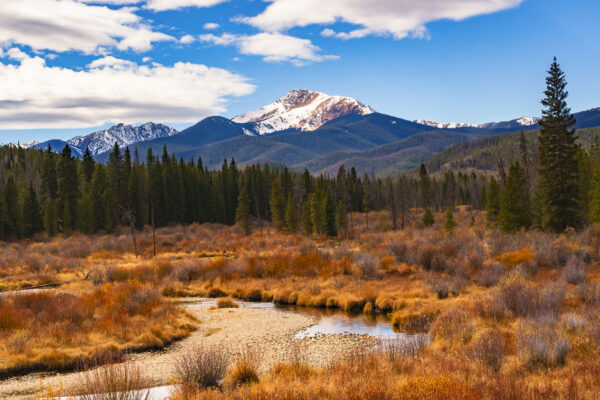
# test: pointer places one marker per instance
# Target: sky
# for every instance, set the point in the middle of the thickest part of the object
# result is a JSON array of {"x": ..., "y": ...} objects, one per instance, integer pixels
[{"x": 70, "y": 67}]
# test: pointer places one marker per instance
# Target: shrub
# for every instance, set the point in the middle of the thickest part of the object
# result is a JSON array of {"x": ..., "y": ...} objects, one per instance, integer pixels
[
  {"x": 226, "y": 302},
  {"x": 122, "y": 381},
  {"x": 402, "y": 347},
  {"x": 187, "y": 272},
  {"x": 453, "y": 325},
  {"x": 489, "y": 348},
  {"x": 425, "y": 255},
  {"x": 216, "y": 292},
  {"x": 368, "y": 265},
  {"x": 202, "y": 367},
  {"x": 490, "y": 274},
  {"x": 441, "y": 288},
  {"x": 244, "y": 371},
  {"x": 514, "y": 258},
  {"x": 538, "y": 343},
  {"x": 412, "y": 323},
  {"x": 589, "y": 292},
  {"x": 573, "y": 322},
  {"x": 574, "y": 272},
  {"x": 399, "y": 249}
]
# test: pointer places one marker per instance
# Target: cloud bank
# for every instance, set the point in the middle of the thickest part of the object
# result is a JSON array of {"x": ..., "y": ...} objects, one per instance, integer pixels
[
  {"x": 399, "y": 18},
  {"x": 272, "y": 46},
  {"x": 109, "y": 89}
]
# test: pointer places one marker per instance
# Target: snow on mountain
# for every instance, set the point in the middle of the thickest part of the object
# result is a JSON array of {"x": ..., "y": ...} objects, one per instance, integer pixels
[
  {"x": 516, "y": 123},
  {"x": 124, "y": 135},
  {"x": 25, "y": 145},
  {"x": 526, "y": 121},
  {"x": 302, "y": 110},
  {"x": 445, "y": 125}
]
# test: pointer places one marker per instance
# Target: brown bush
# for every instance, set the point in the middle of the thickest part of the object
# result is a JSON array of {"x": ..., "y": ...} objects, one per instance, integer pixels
[
  {"x": 574, "y": 272},
  {"x": 488, "y": 347},
  {"x": 202, "y": 367},
  {"x": 539, "y": 344},
  {"x": 226, "y": 302}
]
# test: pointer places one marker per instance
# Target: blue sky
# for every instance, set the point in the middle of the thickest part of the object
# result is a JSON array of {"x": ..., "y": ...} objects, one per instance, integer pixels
[{"x": 69, "y": 67}]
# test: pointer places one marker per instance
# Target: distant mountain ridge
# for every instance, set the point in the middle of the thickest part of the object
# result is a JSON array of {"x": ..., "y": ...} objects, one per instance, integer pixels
[
  {"x": 104, "y": 140},
  {"x": 306, "y": 129}
]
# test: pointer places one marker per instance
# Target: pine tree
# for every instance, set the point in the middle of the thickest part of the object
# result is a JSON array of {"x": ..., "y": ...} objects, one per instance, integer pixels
[
  {"x": 277, "y": 206},
  {"x": 291, "y": 215},
  {"x": 306, "y": 219},
  {"x": 514, "y": 209},
  {"x": 492, "y": 200},
  {"x": 242, "y": 214},
  {"x": 424, "y": 186},
  {"x": 449, "y": 223},
  {"x": 428, "y": 219},
  {"x": 595, "y": 198},
  {"x": 341, "y": 219},
  {"x": 328, "y": 222},
  {"x": 98, "y": 198},
  {"x": 11, "y": 209},
  {"x": 32, "y": 218},
  {"x": 68, "y": 191},
  {"x": 558, "y": 175},
  {"x": 87, "y": 165},
  {"x": 314, "y": 201}
]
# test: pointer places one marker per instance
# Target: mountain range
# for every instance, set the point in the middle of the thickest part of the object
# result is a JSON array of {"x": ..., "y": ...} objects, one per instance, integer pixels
[{"x": 305, "y": 129}]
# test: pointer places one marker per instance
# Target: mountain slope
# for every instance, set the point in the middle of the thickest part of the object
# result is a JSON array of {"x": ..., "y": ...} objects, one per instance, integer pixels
[{"x": 300, "y": 110}]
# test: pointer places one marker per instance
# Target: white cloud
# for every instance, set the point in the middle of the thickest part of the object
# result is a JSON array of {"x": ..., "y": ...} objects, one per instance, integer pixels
[
  {"x": 16, "y": 54},
  {"x": 65, "y": 25},
  {"x": 187, "y": 39},
  {"x": 211, "y": 25},
  {"x": 273, "y": 47},
  {"x": 110, "y": 61},
  {"x": 35, "y": 95},
  {"x": 162, "y": 5},
  {"x": 146, "y": 59},
  {"x": 399, "y": 18},
  {"x": 327, "y": 32}
]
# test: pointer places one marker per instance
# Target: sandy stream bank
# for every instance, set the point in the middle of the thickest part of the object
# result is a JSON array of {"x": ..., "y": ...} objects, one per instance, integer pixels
[{"x": 269, "y": 332}]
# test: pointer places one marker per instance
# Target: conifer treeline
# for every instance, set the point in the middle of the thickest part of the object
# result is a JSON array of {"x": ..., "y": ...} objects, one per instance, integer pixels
[{"x": 41, "y": 191}]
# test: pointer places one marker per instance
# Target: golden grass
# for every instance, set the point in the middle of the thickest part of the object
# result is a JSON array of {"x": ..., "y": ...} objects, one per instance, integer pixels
[{"x": 491, "y": 284}]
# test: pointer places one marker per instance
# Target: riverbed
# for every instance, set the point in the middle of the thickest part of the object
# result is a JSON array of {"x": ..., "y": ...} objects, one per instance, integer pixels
[{"x": 276, "y": 334}]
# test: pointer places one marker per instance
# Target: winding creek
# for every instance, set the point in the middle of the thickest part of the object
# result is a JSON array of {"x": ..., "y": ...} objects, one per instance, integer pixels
[{"x": 275, "y": 330}]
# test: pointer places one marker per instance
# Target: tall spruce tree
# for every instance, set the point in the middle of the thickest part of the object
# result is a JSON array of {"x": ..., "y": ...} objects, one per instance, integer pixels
[
  {"x": 305, "y": 217},
  {"x": 291, "y": 214},
  {"x": 31, "y": 217},
  {"x": 449, "y": 223},
  {"x": 492, "y": 200},
  {"x": 428, "y": 219},
  {"x": 277, "y": 206},
  {"x": 595, "y": 198},
  {"x": 10, "y": 209},
  {"x": 514, "y": 208},
  {"x": 558, "y": 174},
  {"x": 242, "y": 214}
]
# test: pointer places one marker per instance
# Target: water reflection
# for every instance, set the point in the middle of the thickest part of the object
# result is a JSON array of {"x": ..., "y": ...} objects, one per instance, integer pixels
[{"x": 329, "y": 321}]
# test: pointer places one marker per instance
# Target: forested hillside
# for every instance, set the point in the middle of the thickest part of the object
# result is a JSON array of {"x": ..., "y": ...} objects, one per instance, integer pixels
[{"x": 482, "y": 155}]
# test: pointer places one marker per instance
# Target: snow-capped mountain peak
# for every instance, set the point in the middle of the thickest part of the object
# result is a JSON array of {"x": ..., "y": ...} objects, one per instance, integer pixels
[
  {"x": 302, "y": 110},
  {"x": 125, "y": 135}
]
